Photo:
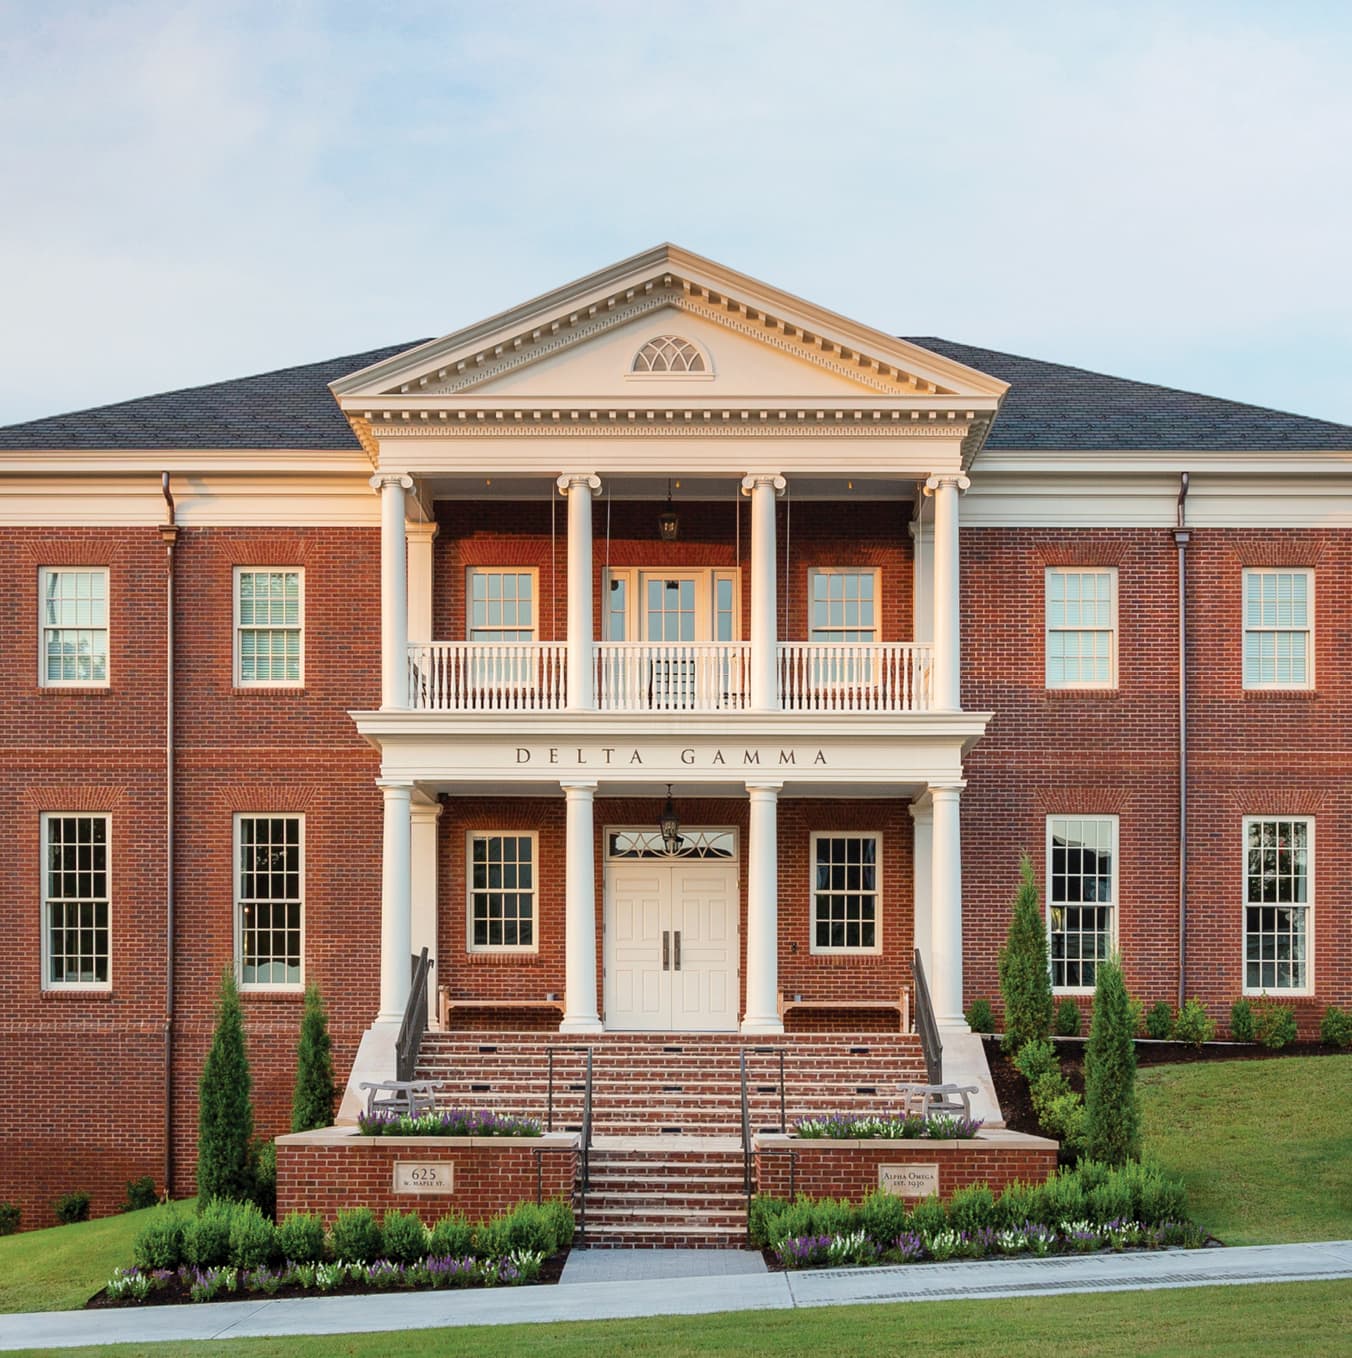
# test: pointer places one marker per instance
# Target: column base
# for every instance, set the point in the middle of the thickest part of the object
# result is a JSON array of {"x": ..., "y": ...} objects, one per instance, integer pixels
[
  {"x": 952, "y": 1025},
  {"x": 751, "y": 1024},
  {"x": 580, "y": 1025}
]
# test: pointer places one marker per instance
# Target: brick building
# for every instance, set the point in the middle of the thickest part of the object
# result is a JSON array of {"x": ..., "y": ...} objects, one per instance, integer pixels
[{"x": 421, "y": 647}]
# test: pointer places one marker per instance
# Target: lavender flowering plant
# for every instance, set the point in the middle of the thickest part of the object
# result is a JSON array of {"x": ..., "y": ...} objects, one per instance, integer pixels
[{"x": 452, "y": 1122}]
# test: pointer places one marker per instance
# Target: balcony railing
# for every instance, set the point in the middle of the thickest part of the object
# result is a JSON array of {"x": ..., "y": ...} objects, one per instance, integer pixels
[{"x": 472, "y": 676}]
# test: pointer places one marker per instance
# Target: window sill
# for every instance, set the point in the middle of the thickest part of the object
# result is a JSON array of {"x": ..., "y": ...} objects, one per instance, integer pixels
[
  {"x": 845, "y": 956},
  {"x": 505, "y": 958},
  {"x": 1082, "y": 693},
  {"x": 74, "y": 992},
  {"x": 270, "y": 690},
  {"x": 1280, "y": 695},
  {"x": 67, "y": 690},
  {"x": 287, "y": 996}
]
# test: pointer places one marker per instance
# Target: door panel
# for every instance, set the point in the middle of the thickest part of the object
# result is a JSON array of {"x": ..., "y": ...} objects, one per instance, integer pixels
[
  {"x": 704, "y": 912},
  {"x": 637, "y": 990}
]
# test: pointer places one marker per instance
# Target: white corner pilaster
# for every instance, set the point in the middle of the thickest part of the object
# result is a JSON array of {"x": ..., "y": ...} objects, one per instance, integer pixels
[
  {"x": 396, "y": 900},
  {"x": 393, "y": 487},
  {"x": 424, "y": 813},
  {"x": 947, "y": 694},
  {"x": 763, "y": 488},
  {"x": 762, "y": 910},
  {"x": 945, "y": 976},
  {"x": 420, "y": 539},
  {"x": 580, "y": 487},
  {"x": 579, "y": 884},
  {"x": 922, "y": 832}
]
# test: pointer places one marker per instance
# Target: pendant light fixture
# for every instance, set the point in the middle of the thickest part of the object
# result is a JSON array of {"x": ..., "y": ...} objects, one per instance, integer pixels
[
  {"x": 668, "y": 524},
  {"x": 670, "y": 826}
]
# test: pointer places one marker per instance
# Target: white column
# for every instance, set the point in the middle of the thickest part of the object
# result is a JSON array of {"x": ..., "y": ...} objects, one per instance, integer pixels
[
  {"x": 579, "y": 487},
  {"x": 945, "y": 976},
  {"x": 396, "y": 900},
  {"x": 922, "y": 819},
  {"x": 420, "y": 539},
  {"x": 393, "y": 589},
  {"x": 425, "y": 812},
  {"x": 579, "y": 885},
  {"x": 763, "y": 487},
  {"x": 947, "y": 696},
  {"x": 762, "y": 911}
]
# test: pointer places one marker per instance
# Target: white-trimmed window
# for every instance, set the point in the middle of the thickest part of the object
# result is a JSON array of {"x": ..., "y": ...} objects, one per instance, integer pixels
[
  {"x": 1081, "y": 627},
  {"x": 669, "y": 356},
  {"x": 501, "y": 884},
  {"x": 270, "y": 900},
  {"x": 269, "y": 626},
  {"x": 1278, "y": 628},
  {"x": 846, "y": 893},
  {"x": 73, "y": 626},
  {"x": 500, "y": 604},
  {"x": 843, "y": 604},
  {"x": 1278, "y": 899},
  {"x": 76, "y": 901},
  {"x": 1081, "y": 897}
]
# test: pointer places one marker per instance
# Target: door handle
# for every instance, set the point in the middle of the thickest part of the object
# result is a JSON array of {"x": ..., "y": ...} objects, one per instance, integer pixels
[
  {"x": 666, "y": 950},
  {"x": 676, "y": 951}
]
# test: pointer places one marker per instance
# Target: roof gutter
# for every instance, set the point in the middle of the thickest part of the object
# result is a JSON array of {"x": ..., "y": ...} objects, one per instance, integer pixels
[
  {"x": 1181, "y": 536},
  {"x": 169, "y": 536}
]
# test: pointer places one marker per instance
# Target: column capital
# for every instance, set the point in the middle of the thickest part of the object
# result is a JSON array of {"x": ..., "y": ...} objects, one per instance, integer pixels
[
  {"x": 425, "y": 530},
  {"x": 569, "y": 480},
  {"x": 753, "y": 479},
  {"x": 955, "y": 789},
  {"x": 955, "y": 479},
  {"x": 395, "y": 784},
  {"x": 578, "y": 785},
  {"x": 765, "y": 785},
  {"x": 382, "y": 479}
]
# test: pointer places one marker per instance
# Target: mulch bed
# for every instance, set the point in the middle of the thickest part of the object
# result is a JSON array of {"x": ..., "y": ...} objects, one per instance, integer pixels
[{"x": 175, "y": 1294}]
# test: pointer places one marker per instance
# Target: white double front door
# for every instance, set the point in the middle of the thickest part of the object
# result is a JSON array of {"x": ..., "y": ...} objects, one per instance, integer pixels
[{"x": 671, "y": 946}]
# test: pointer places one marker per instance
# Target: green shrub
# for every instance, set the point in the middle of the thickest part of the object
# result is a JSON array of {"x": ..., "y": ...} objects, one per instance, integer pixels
[
  {"x": 1194, "y": 1025},
  {"x": 159, "y": 1244},
  {"x": 1063, "y": 1198},
  {"x": 452, "y": 1235},
  {"x": 1159, "y": 1021},
  {"x": 140, "y": 1194},
  {"x": 225, "y": 1112},
  {"x": 528, "y": 1227},
  {"x": 72, "y": 1207},
  {"x": 1335, "y": 1027},
  {"x": 884, "y": 1216},
  {"x": 1067, "y": 1018},
  {"x": 300, "y": 1238},
  {"x": 1136, "y": 1016},
  {"x": 253, "y": 1238},
  {"x": 981, "y": 1017},
  {"x": 929, "y": 1217},
  {"x": 1025, "y": 974},
  {"x": 312, "y": 1099},
  {"x": 1112, "y": 1112},
  {"x": 1242, "y": 1025},
  {"x": 263, "y": 1159},
  {"x": 490, "y": 1239},
  {"x": 1110, "y": 1201},
  {"x": 971, "y": 1209},
  {"x": 1276, "y": 1026},
  {"x": 1064, "y": 1118},
  {"x": 560, "y": 1214},
  {"x": 1019, "y": 1202},
  {"x": 10, "y": 1216},
  {"x": 403, "y": 1237},
  {"x": 1037, "y": 1058},
  {"x": 206, "y": 1236},
  {"x": 356, "y": 1236}
]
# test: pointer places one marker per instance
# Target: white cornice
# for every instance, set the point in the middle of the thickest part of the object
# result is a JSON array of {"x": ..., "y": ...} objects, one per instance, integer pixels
[{"x": 187, "y": 461}]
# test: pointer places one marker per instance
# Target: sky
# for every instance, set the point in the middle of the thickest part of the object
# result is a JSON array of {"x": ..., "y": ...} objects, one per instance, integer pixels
[{"x": 200, "y": 190}]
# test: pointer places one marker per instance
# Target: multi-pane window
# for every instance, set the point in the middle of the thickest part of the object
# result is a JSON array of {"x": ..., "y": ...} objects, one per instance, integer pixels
[
  {"x": 269, "y": 899},
  {"x": 1081, "y": 896},
  {"x": 1278, "y": 609},
  {"x": 1081, "y": 628},
  {"x": 845, "y": 893},
  {"x": 502, "y": 891},
  {"x": 1278, "y": 894},
  {"x": 501, "y": 605},
  {"x": 75, "y": 899},
  {"x": 844, "y": 605},
  {"x": 73, "y": 639},
  {"x": 269, "y": 617}
]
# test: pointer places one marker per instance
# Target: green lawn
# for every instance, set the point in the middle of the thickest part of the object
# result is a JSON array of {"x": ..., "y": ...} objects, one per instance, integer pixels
[
  {"x": 1264, "y": 1147},
  {"x": 60, "y": 1268},
  {"x": 1232, "y": 1322}
]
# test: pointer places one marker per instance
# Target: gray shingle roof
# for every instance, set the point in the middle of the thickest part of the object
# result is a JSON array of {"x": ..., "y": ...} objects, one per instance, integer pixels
[{"x": 1049, "y": 406}]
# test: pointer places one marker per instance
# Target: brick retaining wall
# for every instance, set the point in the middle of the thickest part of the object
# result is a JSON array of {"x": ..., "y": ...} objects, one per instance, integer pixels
[{"x": 337, "y": 1167}]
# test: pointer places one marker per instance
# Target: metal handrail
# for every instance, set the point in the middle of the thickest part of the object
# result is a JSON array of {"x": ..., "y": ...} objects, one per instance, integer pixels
[
  {"x": 747, "y": 1184},
  {"x": 927, "y": 1025},
  {"x": 586, "y": 1149},
  {"x": 409, "y": 1042}
]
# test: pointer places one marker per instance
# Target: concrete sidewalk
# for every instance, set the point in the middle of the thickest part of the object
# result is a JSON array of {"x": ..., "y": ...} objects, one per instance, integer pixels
[{"x": 725, "y": 1286}]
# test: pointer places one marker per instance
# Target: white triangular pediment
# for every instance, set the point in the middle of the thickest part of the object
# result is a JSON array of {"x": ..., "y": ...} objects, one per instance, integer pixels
[{"x": 580, "y": 341}]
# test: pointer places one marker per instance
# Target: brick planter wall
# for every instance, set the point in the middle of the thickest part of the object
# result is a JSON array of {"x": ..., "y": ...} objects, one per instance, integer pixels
[
  {"x": 849, "y": 1169},
  {"x": 338, "y": 1167}
]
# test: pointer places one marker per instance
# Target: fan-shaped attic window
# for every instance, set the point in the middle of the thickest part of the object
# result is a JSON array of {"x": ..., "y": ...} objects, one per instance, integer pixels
[{"x": 669, "y": 354}]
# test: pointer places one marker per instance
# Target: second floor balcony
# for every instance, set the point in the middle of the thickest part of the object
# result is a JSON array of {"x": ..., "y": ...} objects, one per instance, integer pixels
[{"x": 668, "y": 677}]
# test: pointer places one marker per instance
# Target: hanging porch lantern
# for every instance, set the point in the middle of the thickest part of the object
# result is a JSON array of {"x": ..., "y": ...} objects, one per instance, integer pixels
[
  {"x": 668, "y": 523},
  {"x": 670, "y": 826}
]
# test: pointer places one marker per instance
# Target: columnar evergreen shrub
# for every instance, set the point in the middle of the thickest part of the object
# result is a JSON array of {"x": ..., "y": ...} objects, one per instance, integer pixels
[
  {"x": 1025, "y": 975},
  {"x": 1067, "y": 1018},
  {"x": 225, "y": 1110},
  {"x": 315, "y": 1091},
  {"x": 1243, "y": 1027},
  {"x": 1159, "y": 1021},
  {"x": 1112, "y": 1113},
  {"x": 981, "y": 1017},
  {"x": 1335, "y": 1027},
  {"x": 1194, "y": 1024}
]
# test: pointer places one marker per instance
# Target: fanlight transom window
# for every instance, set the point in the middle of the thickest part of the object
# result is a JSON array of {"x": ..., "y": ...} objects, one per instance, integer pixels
[{"x": 669, "y": 354}]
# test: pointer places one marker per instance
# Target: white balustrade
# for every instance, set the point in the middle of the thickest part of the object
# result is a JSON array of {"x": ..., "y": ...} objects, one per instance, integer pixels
[
  {"x": 695, "y": 676},
  {"x": 844, "y": 676},
  {"x": 483, "y": 676}
]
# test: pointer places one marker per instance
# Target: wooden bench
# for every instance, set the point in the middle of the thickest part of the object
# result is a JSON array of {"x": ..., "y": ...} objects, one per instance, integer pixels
[
  {"x": 901, "y": 1006},
  {"x": 446, "y": 1002},
  {"x": 922, "y": 1100}
]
